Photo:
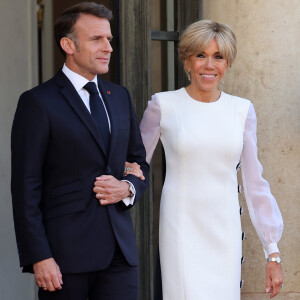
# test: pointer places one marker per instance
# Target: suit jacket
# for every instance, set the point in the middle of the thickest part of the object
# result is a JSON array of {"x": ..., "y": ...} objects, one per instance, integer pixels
[{"x": 57, "y": 153}]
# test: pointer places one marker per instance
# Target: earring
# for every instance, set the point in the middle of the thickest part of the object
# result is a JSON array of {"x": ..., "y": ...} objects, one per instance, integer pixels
[
  {"x": 188, "y": 73},
  {"x": 224, "y": 77}
]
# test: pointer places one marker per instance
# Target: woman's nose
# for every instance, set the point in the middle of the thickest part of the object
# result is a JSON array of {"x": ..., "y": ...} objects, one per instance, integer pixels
[{"x": 209, "y": 63}]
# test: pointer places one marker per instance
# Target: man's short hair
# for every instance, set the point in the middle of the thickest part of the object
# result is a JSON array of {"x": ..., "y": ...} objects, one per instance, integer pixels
[{"x": 64, "y": 25}]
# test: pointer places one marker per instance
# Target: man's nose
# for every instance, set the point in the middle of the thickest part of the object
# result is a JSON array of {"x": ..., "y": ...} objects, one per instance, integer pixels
[{"x": 107, "y": 46}]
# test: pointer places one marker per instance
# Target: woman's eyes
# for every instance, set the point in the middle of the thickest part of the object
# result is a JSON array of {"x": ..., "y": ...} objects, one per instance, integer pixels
[
  {"x": 201, "y": 55},
  {"x": 219, "y": 57}
]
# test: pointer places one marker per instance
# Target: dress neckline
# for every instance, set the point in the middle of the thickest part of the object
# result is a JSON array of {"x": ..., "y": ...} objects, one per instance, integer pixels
[{"x": 203, "y": 103}]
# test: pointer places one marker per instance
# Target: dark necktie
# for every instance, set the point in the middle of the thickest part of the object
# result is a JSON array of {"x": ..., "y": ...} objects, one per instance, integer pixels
[{"x": 98, "y": 113}]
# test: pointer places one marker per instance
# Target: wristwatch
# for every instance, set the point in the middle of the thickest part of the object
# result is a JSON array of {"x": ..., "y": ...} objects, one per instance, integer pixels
[{"x": 276, "y": 259}]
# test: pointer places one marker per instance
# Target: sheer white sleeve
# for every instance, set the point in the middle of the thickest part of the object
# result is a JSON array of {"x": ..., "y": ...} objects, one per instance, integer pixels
[
  {"x": 264, "y": 212},
  {"x": 150, "y": 127}
]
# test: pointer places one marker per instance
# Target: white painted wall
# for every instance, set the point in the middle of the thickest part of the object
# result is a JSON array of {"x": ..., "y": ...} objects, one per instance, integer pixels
[{"x": 17, "y": 74}]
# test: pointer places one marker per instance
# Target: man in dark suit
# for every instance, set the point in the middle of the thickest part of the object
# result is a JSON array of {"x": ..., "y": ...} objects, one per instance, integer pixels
[{"x": 69, "y": 147}]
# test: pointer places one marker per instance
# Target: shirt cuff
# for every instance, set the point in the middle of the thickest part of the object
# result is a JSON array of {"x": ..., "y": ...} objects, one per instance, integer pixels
[
  {"x": 130, "y": 200},
  {"x": 271, "y": 248}
]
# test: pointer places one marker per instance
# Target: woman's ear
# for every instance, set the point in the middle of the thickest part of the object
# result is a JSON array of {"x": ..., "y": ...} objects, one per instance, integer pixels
[
  {"x": 229, "y": 64},
  {"x": 67, "y": 45},
  {"x": 186, "y": 66}
]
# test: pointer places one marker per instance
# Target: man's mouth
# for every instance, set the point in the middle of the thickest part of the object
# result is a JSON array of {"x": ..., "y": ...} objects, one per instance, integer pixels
[{"x": 103, "y": 59}]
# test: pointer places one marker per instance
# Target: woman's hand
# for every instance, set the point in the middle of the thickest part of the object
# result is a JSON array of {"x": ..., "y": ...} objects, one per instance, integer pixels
[
  {"x": 134, "y": 169},
  {"x": 274, "y": 277}
]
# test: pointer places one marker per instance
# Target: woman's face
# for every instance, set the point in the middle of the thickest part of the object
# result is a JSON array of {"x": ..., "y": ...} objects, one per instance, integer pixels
[{"x": 207, "y": 68}]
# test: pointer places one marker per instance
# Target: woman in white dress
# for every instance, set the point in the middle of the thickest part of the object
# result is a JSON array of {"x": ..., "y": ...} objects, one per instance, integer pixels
[{"x": 206, "y": 133}]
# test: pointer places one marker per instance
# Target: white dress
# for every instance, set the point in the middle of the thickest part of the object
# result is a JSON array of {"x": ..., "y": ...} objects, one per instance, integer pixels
[{"x": 200, "y": 229}]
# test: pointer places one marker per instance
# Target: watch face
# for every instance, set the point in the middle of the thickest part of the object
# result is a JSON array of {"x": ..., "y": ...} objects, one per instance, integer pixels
[{"x": 275, "y": 259}]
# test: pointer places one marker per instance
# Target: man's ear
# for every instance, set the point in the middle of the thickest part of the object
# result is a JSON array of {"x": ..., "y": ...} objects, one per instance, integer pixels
[{"x": 67, "y": 45}]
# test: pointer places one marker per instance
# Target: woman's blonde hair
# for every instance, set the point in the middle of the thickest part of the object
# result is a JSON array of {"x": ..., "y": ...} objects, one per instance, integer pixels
[{"x": 198, "y": 36}]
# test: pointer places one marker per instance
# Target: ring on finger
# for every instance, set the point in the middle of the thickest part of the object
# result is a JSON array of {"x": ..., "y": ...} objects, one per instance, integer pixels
[
  {"x": 281, "y": 285},
  {"x": 100, "y": 196}
]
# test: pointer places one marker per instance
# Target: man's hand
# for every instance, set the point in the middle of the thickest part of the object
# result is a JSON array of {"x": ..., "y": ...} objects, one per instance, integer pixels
[
  {"x": 274, "y": 277},
  {"x": 48, "y": 275},
  {"x": 110, "y": 190}
]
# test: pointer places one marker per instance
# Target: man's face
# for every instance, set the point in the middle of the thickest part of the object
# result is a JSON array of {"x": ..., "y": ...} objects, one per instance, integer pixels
[{"x": 92, "y": 52}]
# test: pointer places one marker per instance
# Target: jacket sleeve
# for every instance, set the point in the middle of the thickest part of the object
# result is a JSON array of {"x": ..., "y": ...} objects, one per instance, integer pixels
[
  {"x": 136, "y": 153},
  {"x": 29, "y": 138}
]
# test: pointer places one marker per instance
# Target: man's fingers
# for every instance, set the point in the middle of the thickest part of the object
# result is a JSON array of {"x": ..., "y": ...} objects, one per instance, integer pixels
[
  {"x": 50, "y": 286},
  {"x": 48, "y": 275},
  {"x": 56, "y": 283},
  {"x": 104, "y": 177},
  {"x": 104, "y": 202},
  {"x": 42, "y": 284},
  {"x": 112, "y": 190},
  {"x": 59, "y": 274},
  {"x": 107, "y": 201},
  {"x": 38, "y": 282},
  {"x": 98, "y": 189},
  {"x": 102, "y": 183},
  {"x": 102, "y": 197}
]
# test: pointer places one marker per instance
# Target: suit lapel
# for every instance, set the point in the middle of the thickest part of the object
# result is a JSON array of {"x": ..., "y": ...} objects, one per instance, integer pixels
[
  {"x": 70, "y": 94},
  {"x": 108, "y": 98}
]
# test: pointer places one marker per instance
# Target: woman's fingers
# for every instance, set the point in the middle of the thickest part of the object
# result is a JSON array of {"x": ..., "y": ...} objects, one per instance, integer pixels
[
  {"x": 274, "y": 278},
  {"x": 133, "y": 169}
]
